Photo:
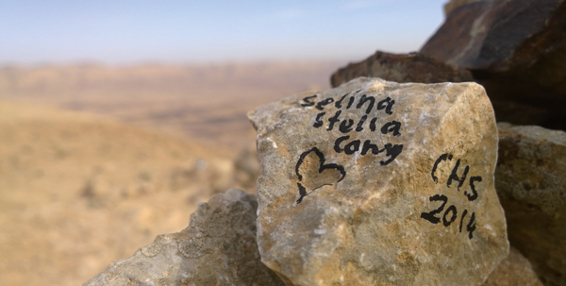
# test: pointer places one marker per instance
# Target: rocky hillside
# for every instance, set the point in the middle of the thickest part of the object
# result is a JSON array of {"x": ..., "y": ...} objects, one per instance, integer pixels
[{"x": 79, "y": 191}]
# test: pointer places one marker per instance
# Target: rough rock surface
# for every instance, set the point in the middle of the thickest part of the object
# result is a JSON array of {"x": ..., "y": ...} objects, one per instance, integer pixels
[
  {"x": 411, "y": 67},
  {"x": 514, "y": 270},
  {"x": 218, "y": 248},
  {"x": 516, "y": 49},
  {"x": 495, "y": 34},
  {"x": 379, "y": 183},
  {"x": 531, "y": 184}
]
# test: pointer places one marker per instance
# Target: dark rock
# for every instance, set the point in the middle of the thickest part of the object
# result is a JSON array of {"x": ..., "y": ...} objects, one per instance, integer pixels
[
  {"x": 413, "y": 67},
  {"x": 218, "y": 248},
  {"x": 514, "y": 270},
  {"x": 453, "y": 4},
  {"x": 515, "y": 48},
  {"x": 531, "y": 184},
  {"x": 498, "y": 35}
]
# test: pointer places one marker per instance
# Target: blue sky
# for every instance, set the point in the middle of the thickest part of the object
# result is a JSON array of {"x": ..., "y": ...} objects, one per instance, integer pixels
[{"x": 131, "y": 31}]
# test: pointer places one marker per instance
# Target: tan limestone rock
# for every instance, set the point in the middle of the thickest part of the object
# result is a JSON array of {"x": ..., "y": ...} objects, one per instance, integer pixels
[
  {"x": 218, "y": 248},
  {"x": 531, "y": 184},
  {"x": 380, "y": 183},
  {"x": 514, "y": 270}
]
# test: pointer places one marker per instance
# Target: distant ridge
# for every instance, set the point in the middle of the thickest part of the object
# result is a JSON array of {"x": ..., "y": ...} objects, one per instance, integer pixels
[{"x": 203, "y": 102}]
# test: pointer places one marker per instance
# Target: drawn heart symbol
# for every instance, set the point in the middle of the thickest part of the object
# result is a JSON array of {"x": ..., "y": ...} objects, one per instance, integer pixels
[{"x": 313, "y": 173}]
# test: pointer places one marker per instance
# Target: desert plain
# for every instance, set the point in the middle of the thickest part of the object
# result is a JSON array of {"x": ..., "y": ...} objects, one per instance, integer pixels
[{"x": 97, "y": 160}]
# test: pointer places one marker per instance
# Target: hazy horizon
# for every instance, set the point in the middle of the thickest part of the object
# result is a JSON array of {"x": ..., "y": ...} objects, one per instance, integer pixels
[{"x": 196, "y": 32}]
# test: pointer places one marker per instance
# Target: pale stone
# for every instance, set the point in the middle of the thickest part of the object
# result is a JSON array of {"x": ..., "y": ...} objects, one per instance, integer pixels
[
  {"x": 218, "y": 248},
  {"x": 331, "y": 212},
  {"x": 514, "y": 270},
  {"x": 531, "y": 183}
]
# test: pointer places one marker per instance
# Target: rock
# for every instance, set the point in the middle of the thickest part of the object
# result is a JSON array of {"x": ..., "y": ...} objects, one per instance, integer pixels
[
  {"x": 531, "y": 184},
  {"x": 380, "y": 183},
  {"x": 495, "y": 35},
  {"x": 522, "y": 114},
  {"x": 246, "y": 168},
  {"x": 453, "y": 4},
  {"x": 218, "y": 248},
  {"x": 413, "y": 67},
  {"x": 514, "y": 270},
  {"x": 515, "y": 48}
]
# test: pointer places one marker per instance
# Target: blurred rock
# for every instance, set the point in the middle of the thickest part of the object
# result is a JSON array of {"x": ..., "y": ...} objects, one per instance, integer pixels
[
  {"x": 498, "y": 35},
  {"x": 453, "y": 4},
  {"x": 246, "y": 168},
  {"x": 523, "y": 114},
  {"x": 514, "y": 270},
  {"x": 213, "y": 176},
  {"x": 380, "y": 183},
  {"x": 413, "y": 67},
  {"x": 218, "y": 248},
  {"x": 531, "y": 185},
  {"x": 515, "y": 48}
]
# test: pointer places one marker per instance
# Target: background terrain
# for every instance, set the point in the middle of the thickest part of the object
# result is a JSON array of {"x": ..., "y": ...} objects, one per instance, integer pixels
[{"x": 96, "y": 160}]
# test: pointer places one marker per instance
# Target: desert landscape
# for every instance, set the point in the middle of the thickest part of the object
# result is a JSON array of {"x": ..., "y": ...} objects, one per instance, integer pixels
[
  {"x": 126, "y": 133},
  {"x": 97, "y": 160},
  {"x": 207, "y": 103}
]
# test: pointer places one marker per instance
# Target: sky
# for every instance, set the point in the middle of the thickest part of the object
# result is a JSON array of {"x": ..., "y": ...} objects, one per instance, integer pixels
[{"x": 134, "y": 31}]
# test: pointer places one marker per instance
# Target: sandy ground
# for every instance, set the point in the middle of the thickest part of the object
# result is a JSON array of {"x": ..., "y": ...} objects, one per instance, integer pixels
[{"x": 79, "y": 190}]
